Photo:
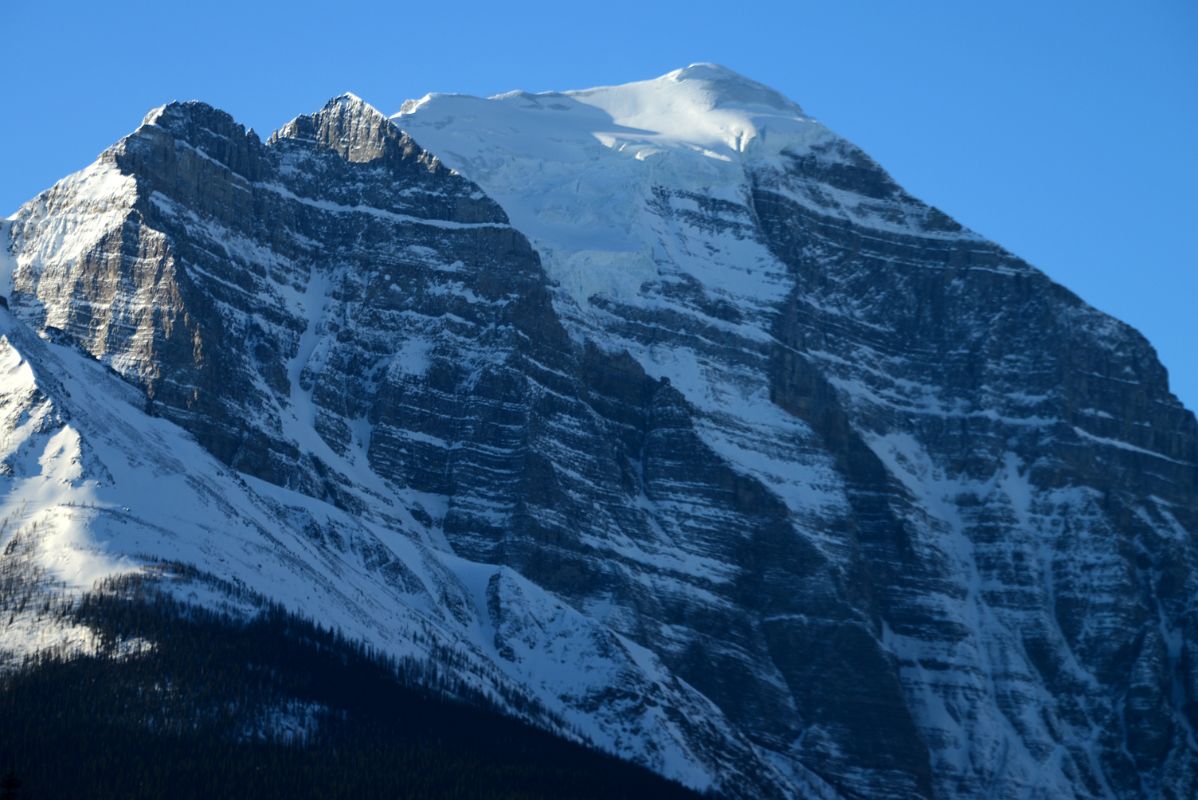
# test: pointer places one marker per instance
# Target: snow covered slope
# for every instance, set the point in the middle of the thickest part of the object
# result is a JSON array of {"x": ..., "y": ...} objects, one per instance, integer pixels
[
  {"x": 94, "y": 489},
  {"x": 577, "y": 171}
]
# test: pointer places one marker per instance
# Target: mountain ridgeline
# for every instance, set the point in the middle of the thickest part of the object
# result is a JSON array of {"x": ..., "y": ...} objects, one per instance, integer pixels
[
  {"x": 271, "y": 706},
  {"x": 656, "y": 417}
]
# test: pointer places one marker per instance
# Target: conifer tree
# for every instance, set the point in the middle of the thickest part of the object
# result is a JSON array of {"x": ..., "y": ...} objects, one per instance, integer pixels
[{"x": 9, "y": 785}]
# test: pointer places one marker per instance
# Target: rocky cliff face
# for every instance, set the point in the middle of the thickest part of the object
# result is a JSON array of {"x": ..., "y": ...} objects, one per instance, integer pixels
[
  {"x": 1025, "y": 490},
  {"x": 892, "y": 514}
]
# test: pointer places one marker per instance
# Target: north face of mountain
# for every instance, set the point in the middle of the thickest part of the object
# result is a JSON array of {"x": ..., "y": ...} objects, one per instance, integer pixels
[
  {"x": 998, "y": 470},
  {"x": 745, "y": 463}
]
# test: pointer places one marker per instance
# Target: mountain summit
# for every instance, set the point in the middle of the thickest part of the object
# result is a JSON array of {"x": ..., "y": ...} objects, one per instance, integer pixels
[
  {"x": 657, "y": 416},
  {"x": 703, "y": 104}
]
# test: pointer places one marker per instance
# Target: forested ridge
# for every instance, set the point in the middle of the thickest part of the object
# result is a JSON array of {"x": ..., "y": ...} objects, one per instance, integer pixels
[{"x": 184, "y": 702}]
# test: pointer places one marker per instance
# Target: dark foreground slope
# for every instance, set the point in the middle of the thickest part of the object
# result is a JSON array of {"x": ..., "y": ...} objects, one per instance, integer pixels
[{"x": 210, "y": 706}]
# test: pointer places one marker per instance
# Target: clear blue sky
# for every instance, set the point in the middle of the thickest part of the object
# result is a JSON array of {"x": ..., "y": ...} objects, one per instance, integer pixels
[{"x": 1066, "y": 131}]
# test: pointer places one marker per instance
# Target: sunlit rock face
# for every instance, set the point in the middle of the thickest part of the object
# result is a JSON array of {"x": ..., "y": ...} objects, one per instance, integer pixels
[{"x": 747, "y": 464}]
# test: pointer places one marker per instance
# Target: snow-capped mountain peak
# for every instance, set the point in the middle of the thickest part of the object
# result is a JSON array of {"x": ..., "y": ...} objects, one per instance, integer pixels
[
  {"x": 705, "y": 105},
  {"x": 351, "y": 104},
  {"x": 664, "y": 407},
  {"x": 727, "y": 87},
  {"x": 580, "y": 172}
]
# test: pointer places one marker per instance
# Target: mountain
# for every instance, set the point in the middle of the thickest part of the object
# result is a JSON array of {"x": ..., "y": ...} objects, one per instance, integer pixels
[{"x": 656, "y": 416}]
